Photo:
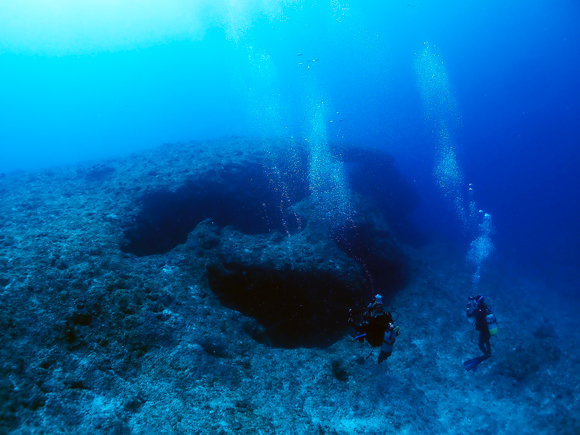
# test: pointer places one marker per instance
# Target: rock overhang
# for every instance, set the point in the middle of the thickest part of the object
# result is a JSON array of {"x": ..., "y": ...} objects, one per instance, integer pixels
[{"x": 266, "y": 252}]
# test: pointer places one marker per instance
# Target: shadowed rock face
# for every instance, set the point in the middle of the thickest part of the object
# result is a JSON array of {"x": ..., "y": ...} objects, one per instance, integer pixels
[
  {"x": 296, "y": 308},
  {"x": 268, "y": 254},
  {"x": 236, "y": 195}
]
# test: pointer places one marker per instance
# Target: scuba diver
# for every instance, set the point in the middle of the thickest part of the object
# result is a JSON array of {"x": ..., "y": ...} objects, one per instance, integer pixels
[
  {"x": 376, "y": 327},
  {"x": 486, "y": 324}
]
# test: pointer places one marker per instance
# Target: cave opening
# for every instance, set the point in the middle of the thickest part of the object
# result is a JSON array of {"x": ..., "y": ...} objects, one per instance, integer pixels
[
  {"x": 238, "y": 195},
  {"x": 296, "y": 309},
  {"x": 380, "y": 258}
]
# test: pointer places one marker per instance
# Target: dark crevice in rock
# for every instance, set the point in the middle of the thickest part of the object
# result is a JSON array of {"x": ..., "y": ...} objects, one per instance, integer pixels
[
  {"x": 238, "y": 195},
  {"x": 296, "y": 309},
  {"x": 380, "y": 258},
  {"x": 373, "y": 173}
]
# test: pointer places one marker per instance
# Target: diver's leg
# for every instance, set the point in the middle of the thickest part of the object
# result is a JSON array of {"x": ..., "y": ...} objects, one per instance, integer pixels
[
  {"x": 383, "y": 356},
  {"x": 481, "y": 343},
  {"x": 486, "y": 336},
  {"x": 488, "y": 347},
  {"x": 484, "y": 344}
]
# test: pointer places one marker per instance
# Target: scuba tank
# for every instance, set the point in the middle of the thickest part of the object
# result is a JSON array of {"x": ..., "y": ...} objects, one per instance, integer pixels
[
  {"x": 389, "y": 339},
  {"x": 491, "y": 323}
]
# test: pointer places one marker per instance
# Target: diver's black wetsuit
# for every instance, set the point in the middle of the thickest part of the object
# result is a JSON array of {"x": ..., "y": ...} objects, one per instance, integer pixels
[
  {"x": 375, "y": 328},
  {"x": 481, "y": 325}
]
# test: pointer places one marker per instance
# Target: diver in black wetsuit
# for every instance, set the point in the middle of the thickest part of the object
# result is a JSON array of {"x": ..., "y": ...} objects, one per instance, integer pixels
[
  {"x": 478, "y": 309},
  {"x": 376, "y": 327}
]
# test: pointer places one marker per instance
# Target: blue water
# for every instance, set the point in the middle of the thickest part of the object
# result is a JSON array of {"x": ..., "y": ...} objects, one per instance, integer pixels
[{"x": 79, "y": 84}]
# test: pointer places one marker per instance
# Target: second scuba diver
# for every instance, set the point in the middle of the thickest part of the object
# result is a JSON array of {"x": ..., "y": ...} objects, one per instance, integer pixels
[
  {"x": 485, "y": 324},
  {"x": 376, "y": 327}
]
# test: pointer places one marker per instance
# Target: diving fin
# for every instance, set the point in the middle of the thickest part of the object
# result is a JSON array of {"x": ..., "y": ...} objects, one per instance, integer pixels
[{"x": 473, "y": 363}]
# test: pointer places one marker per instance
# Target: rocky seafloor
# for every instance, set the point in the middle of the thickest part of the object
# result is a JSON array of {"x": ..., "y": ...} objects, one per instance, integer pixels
[{"x": 202, "y": 288}]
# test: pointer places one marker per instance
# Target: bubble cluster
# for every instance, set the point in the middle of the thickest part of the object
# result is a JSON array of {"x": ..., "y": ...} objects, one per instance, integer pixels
[
  {"x": 265, "y": 108},
  {"x": 280, "y": 167},
  {"x": 326, "y": 178},
  {"x": 438, "y": 102},
  {"x": 266, "y": 115},
  {"x": 448, "y": 174},
  {"x": 443, "y": 117},
  {"x": 481, "y": 247}
]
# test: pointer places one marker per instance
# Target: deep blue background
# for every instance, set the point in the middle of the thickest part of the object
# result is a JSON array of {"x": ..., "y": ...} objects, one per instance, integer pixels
[{"x": 513, "y": 70}]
